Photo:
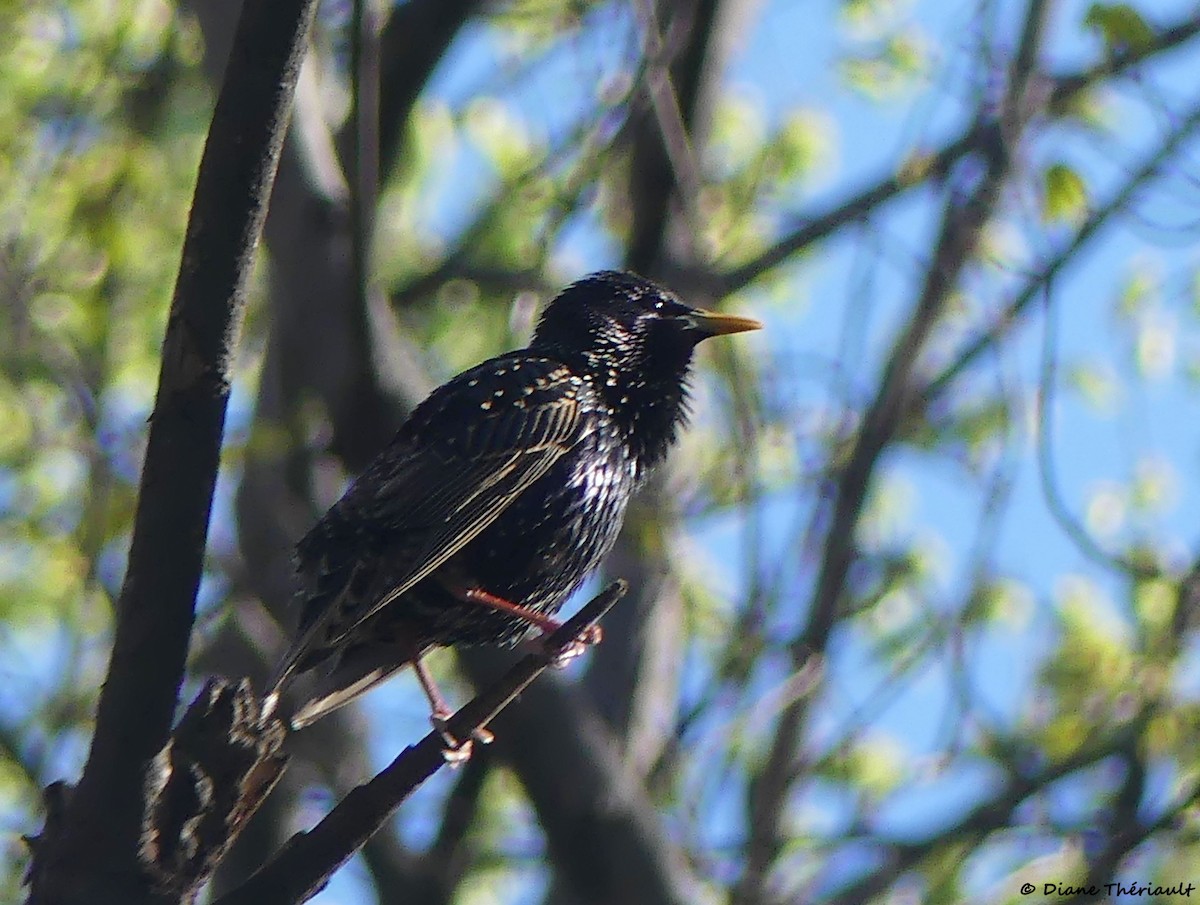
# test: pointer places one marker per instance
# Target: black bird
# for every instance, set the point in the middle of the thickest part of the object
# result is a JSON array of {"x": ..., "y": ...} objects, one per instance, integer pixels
[{"x": 498, "y": 495}]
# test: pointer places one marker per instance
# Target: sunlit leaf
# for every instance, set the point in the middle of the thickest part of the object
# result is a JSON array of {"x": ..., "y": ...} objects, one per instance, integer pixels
[
  {"x": 890, "y": 68},
  {"x": 878, "y": 764},
  {"x": 1155, "y": 484},
  {"x": 1121, "y": 26},
  {"x": 1005, "y": 600},
  {"x": 1142, "y": 290},
  {"x": 870, "y": 18},
  {"x": 1154, "y": 601},
  {"x": 1097, "y": 383},
  {"x": 803, "y": 143},
  {"x": 1065, "y": 198},
  {"x": 1154, "y": 354},
  {"x": 1106, "y": 510},
  {"x": 502, "y": 136}
]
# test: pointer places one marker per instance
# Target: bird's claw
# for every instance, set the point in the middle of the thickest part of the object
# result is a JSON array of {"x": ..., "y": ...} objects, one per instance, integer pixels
[
  {"x": 589, "y": 637},
  {"x": 458, "y": 752}
]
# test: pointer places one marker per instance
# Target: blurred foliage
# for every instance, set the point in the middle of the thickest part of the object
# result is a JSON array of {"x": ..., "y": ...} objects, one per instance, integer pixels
[
  {"x": 1066, "y": 194},
  {"x": 513, "y": 179},
  {"x": 1123, "y": 27}
]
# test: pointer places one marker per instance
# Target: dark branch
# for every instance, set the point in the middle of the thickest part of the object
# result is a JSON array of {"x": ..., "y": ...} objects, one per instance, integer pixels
[
  {"x": 413, "y": 41},
  {"x": 335, "y": 346},
  {"x": 309, "y": 859},
  {"x": 674, "y": 80},
  {"x": 99, "y": 846},
  {"x": 364, "y": 143}
]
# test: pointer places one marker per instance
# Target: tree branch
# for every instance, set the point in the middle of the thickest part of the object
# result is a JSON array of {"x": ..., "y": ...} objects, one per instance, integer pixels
[
  {"x": 309, "y": 859},
  {"x": 662, "y": 125},
  {"x": 413, "y": 40},
  {"x": 363, "y": 130},
  {"x": 156, "y": 606},
  {"x": 219, "y": 766},
  {"x": 324, "y": 345}
]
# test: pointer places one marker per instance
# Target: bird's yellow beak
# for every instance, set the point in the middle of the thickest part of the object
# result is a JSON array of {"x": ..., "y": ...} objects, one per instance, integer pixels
[{"x": 715, "y": 324}]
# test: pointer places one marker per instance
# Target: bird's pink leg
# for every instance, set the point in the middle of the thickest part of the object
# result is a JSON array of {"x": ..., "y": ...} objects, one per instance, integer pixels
[
  {"x": 593, "y": 634},
  {"x": 455, "y": 752}
]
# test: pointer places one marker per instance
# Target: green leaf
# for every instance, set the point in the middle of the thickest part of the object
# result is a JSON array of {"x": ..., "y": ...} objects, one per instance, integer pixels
[
  {"x": 1121, "y": 26},
  {"x": 1155, "y": 485},
  {"x": 1142, "y": 291},
  {"x": 1107, "y": 508},
  {"x": 1155, "y": 348},
  {"x": 889, "y": 67},
  {"x": 877, "y": 764},
  {"x": 804, "y": 141},
  {"x": 502, "y": 136},
  {"x": 1065, "y": 195},
  {"x": 1098, "y": 384},
  {"x": 1154, "y": 601}
]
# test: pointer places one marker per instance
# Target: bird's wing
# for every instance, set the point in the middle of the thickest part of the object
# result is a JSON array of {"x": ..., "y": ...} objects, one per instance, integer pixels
[
  {"x": 450, "y": 472},
  {"x": 447, "y": 500}
]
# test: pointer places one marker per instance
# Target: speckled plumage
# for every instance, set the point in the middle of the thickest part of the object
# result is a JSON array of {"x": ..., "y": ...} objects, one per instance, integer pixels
[{"x": 512, "y": 478}]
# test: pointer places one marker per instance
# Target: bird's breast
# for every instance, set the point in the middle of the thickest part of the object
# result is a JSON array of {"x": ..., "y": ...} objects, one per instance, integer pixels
[{"x": 565, "y": 523}]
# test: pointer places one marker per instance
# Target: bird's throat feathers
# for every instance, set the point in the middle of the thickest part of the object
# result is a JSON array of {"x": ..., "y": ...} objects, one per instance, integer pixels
[{"x": 649, "y": 405}]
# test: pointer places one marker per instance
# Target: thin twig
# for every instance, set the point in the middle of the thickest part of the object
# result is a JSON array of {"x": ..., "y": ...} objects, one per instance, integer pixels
[
  {"x": 671, "y": 125},
  {"x": 1047, "y": 477},
  {"x": 1120, "y": 201},
  {"x": 364, "y": 157},
  {"x": 925, "y": 168}
]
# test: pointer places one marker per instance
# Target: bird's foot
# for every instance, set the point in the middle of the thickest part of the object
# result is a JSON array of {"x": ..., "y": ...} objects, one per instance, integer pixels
[
  {"x": 589, "y": 637},
  {"x": 458, "y": 752}
]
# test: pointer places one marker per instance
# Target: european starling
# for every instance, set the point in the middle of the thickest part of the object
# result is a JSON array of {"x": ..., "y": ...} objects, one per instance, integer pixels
[{"x": 498, "y": 495}]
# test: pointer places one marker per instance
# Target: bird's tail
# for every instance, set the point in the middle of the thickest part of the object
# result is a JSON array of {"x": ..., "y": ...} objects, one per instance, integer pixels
[
  {"x": 280, "y": 679},
  {"x": 319, "y": 692}
]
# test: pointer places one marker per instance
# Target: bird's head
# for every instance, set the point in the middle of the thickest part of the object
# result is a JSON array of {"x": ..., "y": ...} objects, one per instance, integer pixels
[
  {"x": 635, "y": 340},
  {"x": 630, "y": 318}
]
